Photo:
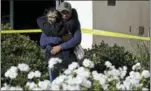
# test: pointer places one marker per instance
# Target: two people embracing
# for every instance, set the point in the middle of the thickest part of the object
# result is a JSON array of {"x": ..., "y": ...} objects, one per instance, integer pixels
[{"x": 61, "y": 33}]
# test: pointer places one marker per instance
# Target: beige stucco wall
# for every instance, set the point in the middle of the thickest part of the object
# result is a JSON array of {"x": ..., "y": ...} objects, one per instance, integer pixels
[{"x": 120, "y": 18}]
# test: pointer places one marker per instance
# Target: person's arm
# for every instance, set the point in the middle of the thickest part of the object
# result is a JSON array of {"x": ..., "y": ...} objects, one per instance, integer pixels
[
  {"x": 45, "y": 40},
  {"x": 76, "y": 37},
  {"x": 74, "y": 41}
]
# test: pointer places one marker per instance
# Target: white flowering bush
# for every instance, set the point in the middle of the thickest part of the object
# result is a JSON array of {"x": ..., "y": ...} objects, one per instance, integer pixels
[
  {"x": 116, "y": 54},
  {"x": 78, "y": 77},
  {"x": 22, "y": 77},
  {"x": 19, "y": 56},
  {"x": 81, "y": 78}
]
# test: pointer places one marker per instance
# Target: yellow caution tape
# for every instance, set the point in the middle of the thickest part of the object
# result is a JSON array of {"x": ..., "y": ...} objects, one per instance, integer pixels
[
  {"x": 113, "y": 34},
  {"x": 20, "y": 31},
  {"x": 84, "y": 30}
]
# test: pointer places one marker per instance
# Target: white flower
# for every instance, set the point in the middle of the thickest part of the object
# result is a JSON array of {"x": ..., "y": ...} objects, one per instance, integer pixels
[
  {"x": 37, "y": 74},
  {"x": 127, "y": 83},
  {"x": 55, "y": 87},
  {"x": 115, "y": 72},
  {"x": 145, "y": 74},
  {"x": 105, "y": 87},
  {"x": 123, "y": 73},
  {"x": 95, "y": 75},
  {"x": 92, "y": 65},
  {"x": 11, "y": 73},
  {"x": 73, "y": 87},
  {"x": 67, "y": 71},
  {"x": 51, "y": 66},
  {"x": 18, "y": 88},
  {"x": 86, "y": 83},
  {"x": 145, "y": 89},
  {"x": 137, "y": 76},
  {"x": 73, "y": 65},
  {"x": 134, "y": 82},
  {"x": 12, "y": 88},
  {"x": 88, "y": 63},
  {"x": 59, "y": 61},
  {"x": 82, "y": 72},
  {"x": 37, "y": 89},
  {"x": 15, "y": 88},
  {"x": 31, "y": 85},
  {"x": 136, "y": 66},
  {"x": 112, "y": 67},
  {"x": 31, "y": 75},
  {"x": 94, "y": 72},
  {"x": 59, "y": 80},
  {"x": 120, "y": 69},
  {"x": 23, "y": 67},
  {"x": 44, "y": 85},
  {"x": 79, "y": 70},
  {"x": 70, "y": 80},
  {"x": 64, "y": 86},
  {"x": 108, "y": 64},
  {"x": 6, "y": 87},
  {"x": 124, "y": 68},
  {"x": 116, "y": 78},
  {"x": 53, "y": 61},
  {"x": 102, "y": 81},
  {"x": 132, "y": 74},
  {"x": 85, "y": 74},
  {"x": 13, "y": 68},
  {"x": 133, "y": 67},
  {"x": 78, "y": 80},
  {"x": 118, "y": 86}
]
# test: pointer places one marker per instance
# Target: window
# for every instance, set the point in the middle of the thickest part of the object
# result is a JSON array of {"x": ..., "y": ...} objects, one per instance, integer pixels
[
  {"x": 5, "y": 11},
  {"x": 111, "y": 2}
]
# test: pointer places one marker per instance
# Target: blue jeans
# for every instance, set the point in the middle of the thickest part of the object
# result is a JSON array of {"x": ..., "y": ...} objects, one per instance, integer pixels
[
  {"x": 53, "y": 74},
  {"x": 67, "y": 57},
  {"x": 51, "y": 77}
]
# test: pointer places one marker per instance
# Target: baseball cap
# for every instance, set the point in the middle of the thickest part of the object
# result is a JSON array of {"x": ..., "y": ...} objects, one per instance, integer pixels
[{"x": 65, "y": 6}]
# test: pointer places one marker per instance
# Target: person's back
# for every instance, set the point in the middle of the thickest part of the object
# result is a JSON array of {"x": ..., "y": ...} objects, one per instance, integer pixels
[
  {"x": 52, "y": 26},
  {"x": 52, "y": 23}
]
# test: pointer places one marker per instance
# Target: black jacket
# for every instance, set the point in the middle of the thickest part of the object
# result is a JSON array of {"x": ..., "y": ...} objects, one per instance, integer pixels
[{"x": 52, "y": 30}]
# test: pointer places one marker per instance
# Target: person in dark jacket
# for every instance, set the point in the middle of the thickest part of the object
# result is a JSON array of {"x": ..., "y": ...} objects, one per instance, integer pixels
[
  {"x": 72, "y": 23},
  {"x": 56, "y": 45}
]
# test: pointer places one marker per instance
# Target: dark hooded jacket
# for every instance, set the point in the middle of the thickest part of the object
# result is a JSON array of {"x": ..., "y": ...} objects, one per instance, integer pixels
[{"x": 49, "y": 39}]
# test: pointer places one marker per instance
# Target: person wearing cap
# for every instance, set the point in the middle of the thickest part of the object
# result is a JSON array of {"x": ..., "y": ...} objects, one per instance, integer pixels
[{"x": 72, "y": 23}]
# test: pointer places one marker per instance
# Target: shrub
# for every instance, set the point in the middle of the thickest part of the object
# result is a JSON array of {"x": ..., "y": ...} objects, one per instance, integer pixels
[
  {"x": 117, "y": 55},
  {"x": 142, "y": 52},
  {"x": 5, "y": 26},
  {"x": 16, "y": 49},
  {"x": 81, "y": 78}
]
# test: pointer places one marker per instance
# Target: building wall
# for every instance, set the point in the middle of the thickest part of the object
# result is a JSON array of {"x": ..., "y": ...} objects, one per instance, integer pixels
[{"x": 124, "y": 17}]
